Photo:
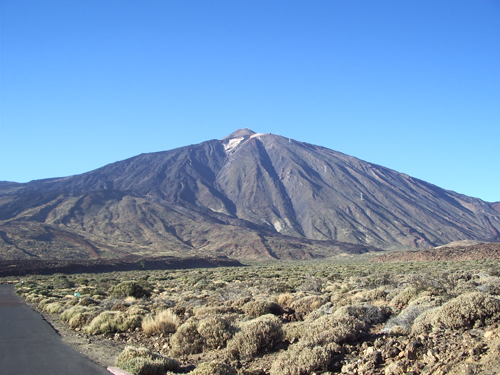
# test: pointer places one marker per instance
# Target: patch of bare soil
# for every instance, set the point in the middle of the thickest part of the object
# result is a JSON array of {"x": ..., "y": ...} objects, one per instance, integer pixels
[{"x": 458, "y": 252}]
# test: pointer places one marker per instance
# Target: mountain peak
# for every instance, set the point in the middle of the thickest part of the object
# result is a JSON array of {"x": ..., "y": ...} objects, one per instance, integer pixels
[{"x": 240, "y": 133}]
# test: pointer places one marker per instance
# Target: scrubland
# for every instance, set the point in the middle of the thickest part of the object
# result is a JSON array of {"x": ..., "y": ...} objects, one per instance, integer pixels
[{"x": 287, "y": 319}]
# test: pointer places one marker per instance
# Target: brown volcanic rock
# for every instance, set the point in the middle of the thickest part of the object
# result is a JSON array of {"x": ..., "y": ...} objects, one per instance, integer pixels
[
  {"x": 248, "y": 195},
  {"x": 452, "y": 252},
  {"x": 21, "y": 267}
]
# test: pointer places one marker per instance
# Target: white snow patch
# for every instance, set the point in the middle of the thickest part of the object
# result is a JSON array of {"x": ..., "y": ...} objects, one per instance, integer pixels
[
  {"x": 235, "y": 142},
  {"x": 232, "y": 143},
  {"x": 278, "y": 226},
  {"x": 257, "y": 135}
]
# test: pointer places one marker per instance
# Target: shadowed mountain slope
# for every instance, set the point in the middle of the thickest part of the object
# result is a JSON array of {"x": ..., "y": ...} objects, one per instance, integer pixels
[{"x": 257, "y": 196}]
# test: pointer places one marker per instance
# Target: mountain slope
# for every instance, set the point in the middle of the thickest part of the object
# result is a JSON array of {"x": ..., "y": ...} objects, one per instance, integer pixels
[{"x": 248, "y": 195}]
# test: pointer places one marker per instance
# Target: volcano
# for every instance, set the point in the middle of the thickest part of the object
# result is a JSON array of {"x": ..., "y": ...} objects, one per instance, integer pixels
[{"x": 249, "y": 195}]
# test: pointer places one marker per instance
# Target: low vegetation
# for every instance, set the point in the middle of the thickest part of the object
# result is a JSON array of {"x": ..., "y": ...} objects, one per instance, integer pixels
[{"x": 286, "y": 319}]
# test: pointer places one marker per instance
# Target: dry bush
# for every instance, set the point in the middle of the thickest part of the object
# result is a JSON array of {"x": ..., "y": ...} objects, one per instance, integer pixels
[
  {"x": 215, "y": 331},
  {"x": 80, "y": 320},
  {"x": 137, "y": 310},
  {"x": 327, "y": 308},
  {"x": 427, "y": 301},
  {"x": 213, "y": 368},
  {"x": 301, "y": 359},
  {"x": 285, "y": 299},
  {"x": 52, "y": 307},
  {"x": 141, "y": 361},
  {"x": 307, "y": 304},
  {"x": 367, "y": 313},
  {"x": 293, "y": 331},
  {"x": 402, "y": 299},
  {"x": 45, "y": 302},
  {"x": 402, "y": 323},
  {"x": 423, "y": 323},
  {"x": 128, "y": 289},
  {"x": 371, "y": 295},
  {"x": 72, "y": 311},
  {"x": 238, "y": 303},
  {"x": 490, "y": 285},
  {"x": 467, "y": 310},
  {"x": 341, "y": 299},
  {"x": 32, "y": 297},
  {"x": 312, "y": 284},
  {"x": 163, "y": 322},
  {"x": 332, "y": 329},
  {"x": 256, "y": 336},
  {"x": 69, "y": 300},
  {"x": 187, "y": 340},
  {"x": 205, "y": 311},
  {"x": 259, "y": 308}
]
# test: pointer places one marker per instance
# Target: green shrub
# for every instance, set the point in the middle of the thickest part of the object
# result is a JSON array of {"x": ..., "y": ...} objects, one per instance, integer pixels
[
  {"x": 46, "y": 301},
  {"x": 256, "y": 336},
  {"x": 423, "y": 323},
  {"x": 258, "y": 308},
  {"x": 81, "y": 281},
  {"x": 72, "y": 311},
  {"x": 137, "y": 310},
  {"x": 81, "y": 319},
  {"x": 402, "y": 299},
  {"x": 52, "y": 308},
  {"x": 187, "y": 340},
  {"x": 467, "y": 310},
  {"x": 141, "y": 361},
  {"x": 215, "y": 331},
  {"x": 332, "y": 329},
  {"x": 128, "y": 289},
  {"x": 62, "y": 282},
  {"x": 293, "y": 331},
  {"x": 113, "y": 321},
  {"x": 213, "y": 368}
]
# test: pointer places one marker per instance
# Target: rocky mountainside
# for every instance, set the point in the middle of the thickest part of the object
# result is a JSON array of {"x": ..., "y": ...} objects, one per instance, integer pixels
[{"x": 248, "y": 195}]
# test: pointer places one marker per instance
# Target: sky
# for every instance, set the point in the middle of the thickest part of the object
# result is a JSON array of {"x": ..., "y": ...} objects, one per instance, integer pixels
[{"x": 410, "y": 85}]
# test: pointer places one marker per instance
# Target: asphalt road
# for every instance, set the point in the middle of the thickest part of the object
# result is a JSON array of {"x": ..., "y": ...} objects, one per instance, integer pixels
[{"x": 29, "y": 345}]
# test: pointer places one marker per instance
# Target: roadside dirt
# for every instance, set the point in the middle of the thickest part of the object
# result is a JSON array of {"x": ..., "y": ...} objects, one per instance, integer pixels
[{"x": 100, "y": 350}]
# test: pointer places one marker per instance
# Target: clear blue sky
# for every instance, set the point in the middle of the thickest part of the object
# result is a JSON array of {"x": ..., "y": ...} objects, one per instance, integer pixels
[{"x": 411, "y": 85}]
